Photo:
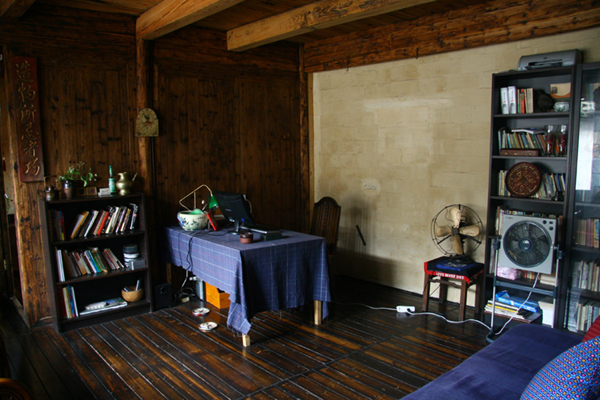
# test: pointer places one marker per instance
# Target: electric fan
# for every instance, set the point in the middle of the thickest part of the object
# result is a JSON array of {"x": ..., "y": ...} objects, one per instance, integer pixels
[
  {"x": 527, "y": 243},
  {"x": 456, "y": 231}
]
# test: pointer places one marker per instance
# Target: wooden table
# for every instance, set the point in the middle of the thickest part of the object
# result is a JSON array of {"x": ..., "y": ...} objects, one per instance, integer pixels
[{"x": 261, "y": 276}]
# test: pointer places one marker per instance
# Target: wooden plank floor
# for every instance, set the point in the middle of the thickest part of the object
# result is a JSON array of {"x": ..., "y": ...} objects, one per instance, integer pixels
[{"x": 358, "y": 352}]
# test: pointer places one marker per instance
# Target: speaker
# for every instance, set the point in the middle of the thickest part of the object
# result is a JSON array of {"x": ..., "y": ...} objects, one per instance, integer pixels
[{"x": 163, "y": 296}]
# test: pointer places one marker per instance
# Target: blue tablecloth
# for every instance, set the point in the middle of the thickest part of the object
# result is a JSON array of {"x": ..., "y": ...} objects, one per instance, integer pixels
[{"x": 261, "y": 276}]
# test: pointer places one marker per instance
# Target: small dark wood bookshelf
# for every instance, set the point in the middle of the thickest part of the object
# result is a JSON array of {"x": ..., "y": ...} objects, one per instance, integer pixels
[{"x": 87, "y": 266}]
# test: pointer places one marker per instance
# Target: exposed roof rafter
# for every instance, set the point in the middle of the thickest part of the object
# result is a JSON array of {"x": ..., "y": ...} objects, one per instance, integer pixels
[
  {"x": 13, "y": 10},
  {"x": 319, "y": 15},
  {"x": 170, "y": 15}
]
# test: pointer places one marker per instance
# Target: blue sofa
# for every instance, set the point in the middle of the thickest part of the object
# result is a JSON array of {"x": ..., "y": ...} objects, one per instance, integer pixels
[{"x": 503, "y": 369}]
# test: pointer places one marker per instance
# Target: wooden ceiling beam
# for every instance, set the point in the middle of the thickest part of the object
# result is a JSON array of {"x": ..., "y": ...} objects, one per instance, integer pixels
[
  {"x": 170, "y": 15},
  {"x": 13, "y": 10},
  {"x": 319, "y": 15}
]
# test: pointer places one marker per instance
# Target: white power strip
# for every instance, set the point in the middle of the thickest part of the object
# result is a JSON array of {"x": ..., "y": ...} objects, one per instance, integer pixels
[{"x": 405, "y": 309}]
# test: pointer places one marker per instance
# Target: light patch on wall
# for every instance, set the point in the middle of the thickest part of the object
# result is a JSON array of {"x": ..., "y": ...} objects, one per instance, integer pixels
[
  {"x": 394, "y": 103},
  {"x": 371, "y": 186}
]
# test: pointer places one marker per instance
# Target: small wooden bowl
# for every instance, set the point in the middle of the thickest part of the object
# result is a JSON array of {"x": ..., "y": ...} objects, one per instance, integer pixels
[
  {"x": 246, "y": 238},
  {"x": 132, "y": 295}
]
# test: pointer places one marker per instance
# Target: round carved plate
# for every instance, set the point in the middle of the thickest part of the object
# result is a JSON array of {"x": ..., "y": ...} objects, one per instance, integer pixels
[{"x": 523, "y": 179}]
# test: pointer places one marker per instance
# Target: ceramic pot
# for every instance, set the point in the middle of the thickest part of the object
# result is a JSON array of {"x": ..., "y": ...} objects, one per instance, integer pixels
[
  {"x": 124, "y": 184},
  {"x": 192, "y": 220}
]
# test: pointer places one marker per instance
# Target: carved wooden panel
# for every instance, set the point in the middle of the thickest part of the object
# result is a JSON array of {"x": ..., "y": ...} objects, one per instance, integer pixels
[{"x": 26, "y": 97}]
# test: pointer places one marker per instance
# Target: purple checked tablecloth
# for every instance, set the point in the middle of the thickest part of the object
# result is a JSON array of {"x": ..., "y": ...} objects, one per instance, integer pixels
[{"x": 261, "y": 276}]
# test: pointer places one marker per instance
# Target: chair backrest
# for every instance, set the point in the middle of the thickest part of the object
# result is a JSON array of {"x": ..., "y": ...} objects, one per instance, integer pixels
[{"x": 326, "y": 222}]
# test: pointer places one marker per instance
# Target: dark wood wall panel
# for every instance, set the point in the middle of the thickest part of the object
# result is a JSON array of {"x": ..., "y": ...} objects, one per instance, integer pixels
[
  {"x": 230, "y": 121},
  {"x": 196, "y": 143},
  {"x": 270, "y": 150}
]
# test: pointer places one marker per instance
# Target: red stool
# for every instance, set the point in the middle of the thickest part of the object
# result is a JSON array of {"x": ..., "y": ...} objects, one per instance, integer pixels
[{"x": 442, "y": 271}]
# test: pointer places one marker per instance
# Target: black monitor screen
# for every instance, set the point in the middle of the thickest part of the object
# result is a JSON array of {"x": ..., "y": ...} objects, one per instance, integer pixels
[{"x": 236, "y": 208}]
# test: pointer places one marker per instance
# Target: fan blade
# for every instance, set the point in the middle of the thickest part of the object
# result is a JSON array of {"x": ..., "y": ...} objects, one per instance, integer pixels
[
  {"x": 455, "y": 216},
  {"x": 471, "y": 230},
  {"x": 458, "y": 246},
  {"x": 443, "y": 231}
]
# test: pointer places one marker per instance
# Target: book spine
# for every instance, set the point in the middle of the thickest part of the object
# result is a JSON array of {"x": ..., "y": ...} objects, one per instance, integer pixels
[
  {"x": 73, "y": 302},
  {"x": 67, "y": 301},
  {"x": 60, "y": 266},
  {"x": 504, "y": 100},
  {"x": 134, "y": 213},
  {"x": 512, "y": 100}
]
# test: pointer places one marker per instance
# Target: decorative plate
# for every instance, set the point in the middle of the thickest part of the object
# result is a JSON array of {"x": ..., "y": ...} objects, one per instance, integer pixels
[{"x": 523, "y": 179}]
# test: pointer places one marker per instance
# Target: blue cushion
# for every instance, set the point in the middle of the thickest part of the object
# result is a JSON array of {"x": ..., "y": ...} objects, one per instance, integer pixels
[{"x": 574, "y": 374}]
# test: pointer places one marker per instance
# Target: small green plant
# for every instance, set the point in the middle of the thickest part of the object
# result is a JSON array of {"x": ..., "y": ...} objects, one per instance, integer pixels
[{"x": 77, "y": 172}]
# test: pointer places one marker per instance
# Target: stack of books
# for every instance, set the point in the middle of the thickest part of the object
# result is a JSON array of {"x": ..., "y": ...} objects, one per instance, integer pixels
[
  {"x": 507, "y": 306},
  {"x": 508, "y": 311}
]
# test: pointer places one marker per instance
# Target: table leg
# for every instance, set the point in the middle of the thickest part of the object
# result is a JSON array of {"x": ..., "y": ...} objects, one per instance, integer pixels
[
  {"x": 246, "y": 340},
  {"x": 318, "y": 312},
  {"x": 201, "y": 291}
]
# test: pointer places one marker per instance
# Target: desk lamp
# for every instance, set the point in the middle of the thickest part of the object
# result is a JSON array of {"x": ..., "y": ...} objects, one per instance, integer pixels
[{"x": 212, "y": 202}]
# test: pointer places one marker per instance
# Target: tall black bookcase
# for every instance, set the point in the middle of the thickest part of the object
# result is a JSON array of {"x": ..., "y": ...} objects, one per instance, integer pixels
[{"x": 549, "y": 163}]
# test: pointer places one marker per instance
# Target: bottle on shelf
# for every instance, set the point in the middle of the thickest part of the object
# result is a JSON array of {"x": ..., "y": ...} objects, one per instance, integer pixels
[
  {"x": 562, "y": 140},
  {"x": 112, "y": 182}
]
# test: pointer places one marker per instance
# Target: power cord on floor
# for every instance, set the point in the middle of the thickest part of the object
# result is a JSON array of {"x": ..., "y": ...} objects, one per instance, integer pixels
[{"x": 414, "y": 313}]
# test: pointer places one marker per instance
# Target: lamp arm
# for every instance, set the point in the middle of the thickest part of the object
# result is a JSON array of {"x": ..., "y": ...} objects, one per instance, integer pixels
[{"x": 193, "y": 192}]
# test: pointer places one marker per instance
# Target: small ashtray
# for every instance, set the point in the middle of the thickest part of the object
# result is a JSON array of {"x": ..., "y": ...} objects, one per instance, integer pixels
[
  {"x": 207, "y": 326},
  {"x": 246, "y": 238},
  {"x": 198, "y": 312}
]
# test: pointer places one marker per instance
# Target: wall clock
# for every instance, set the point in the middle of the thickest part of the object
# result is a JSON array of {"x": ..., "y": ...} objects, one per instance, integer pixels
[
  {"x": 146, "y": 123},
  {"x": 523, "y": 179}
]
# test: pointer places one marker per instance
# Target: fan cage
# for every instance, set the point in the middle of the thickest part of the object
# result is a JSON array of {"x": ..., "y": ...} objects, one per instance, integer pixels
[
  {"x": 527, "y": 244},
  {"x": 443, "y": 219}
]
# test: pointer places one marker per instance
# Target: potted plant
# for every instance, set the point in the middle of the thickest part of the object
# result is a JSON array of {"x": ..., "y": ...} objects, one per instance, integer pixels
[{"x": 76, "y": 172}]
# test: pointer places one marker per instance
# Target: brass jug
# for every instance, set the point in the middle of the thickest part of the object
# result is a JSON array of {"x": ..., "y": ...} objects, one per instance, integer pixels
[{"x": 124, "y": 184}]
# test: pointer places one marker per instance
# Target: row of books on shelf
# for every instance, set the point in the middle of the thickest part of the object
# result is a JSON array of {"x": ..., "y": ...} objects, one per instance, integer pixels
[
  {"x": 116, "y": 219},
  {"x": 71, "y": 310},
  {"x": 529, "y": 139},
  {"x": 515, "y": 100},
  {"x": 552, "y": 187},
  {"x": 587, "y": 232},
  {"x": 586, "y": 275},
  {"x": 582, "y": 315},
  {"x": 501, "y": 211},
  {"x": 71, "y": 264}
]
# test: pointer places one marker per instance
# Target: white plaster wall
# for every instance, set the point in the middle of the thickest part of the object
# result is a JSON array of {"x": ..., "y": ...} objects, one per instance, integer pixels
[{"x": 396, "y": 142}]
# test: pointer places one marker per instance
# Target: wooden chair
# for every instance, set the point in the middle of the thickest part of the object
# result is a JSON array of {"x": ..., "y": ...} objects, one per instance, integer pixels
[{"x": 326, "y": 222}]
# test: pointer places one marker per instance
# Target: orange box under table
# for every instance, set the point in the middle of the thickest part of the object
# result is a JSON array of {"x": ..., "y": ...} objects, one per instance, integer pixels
[{"x": 216, "y": 297}]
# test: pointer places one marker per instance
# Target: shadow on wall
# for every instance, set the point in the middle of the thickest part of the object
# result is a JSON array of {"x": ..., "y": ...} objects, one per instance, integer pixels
[
  {"x": 365, "y": 266},
  {"x": 356, "y": 244}
]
